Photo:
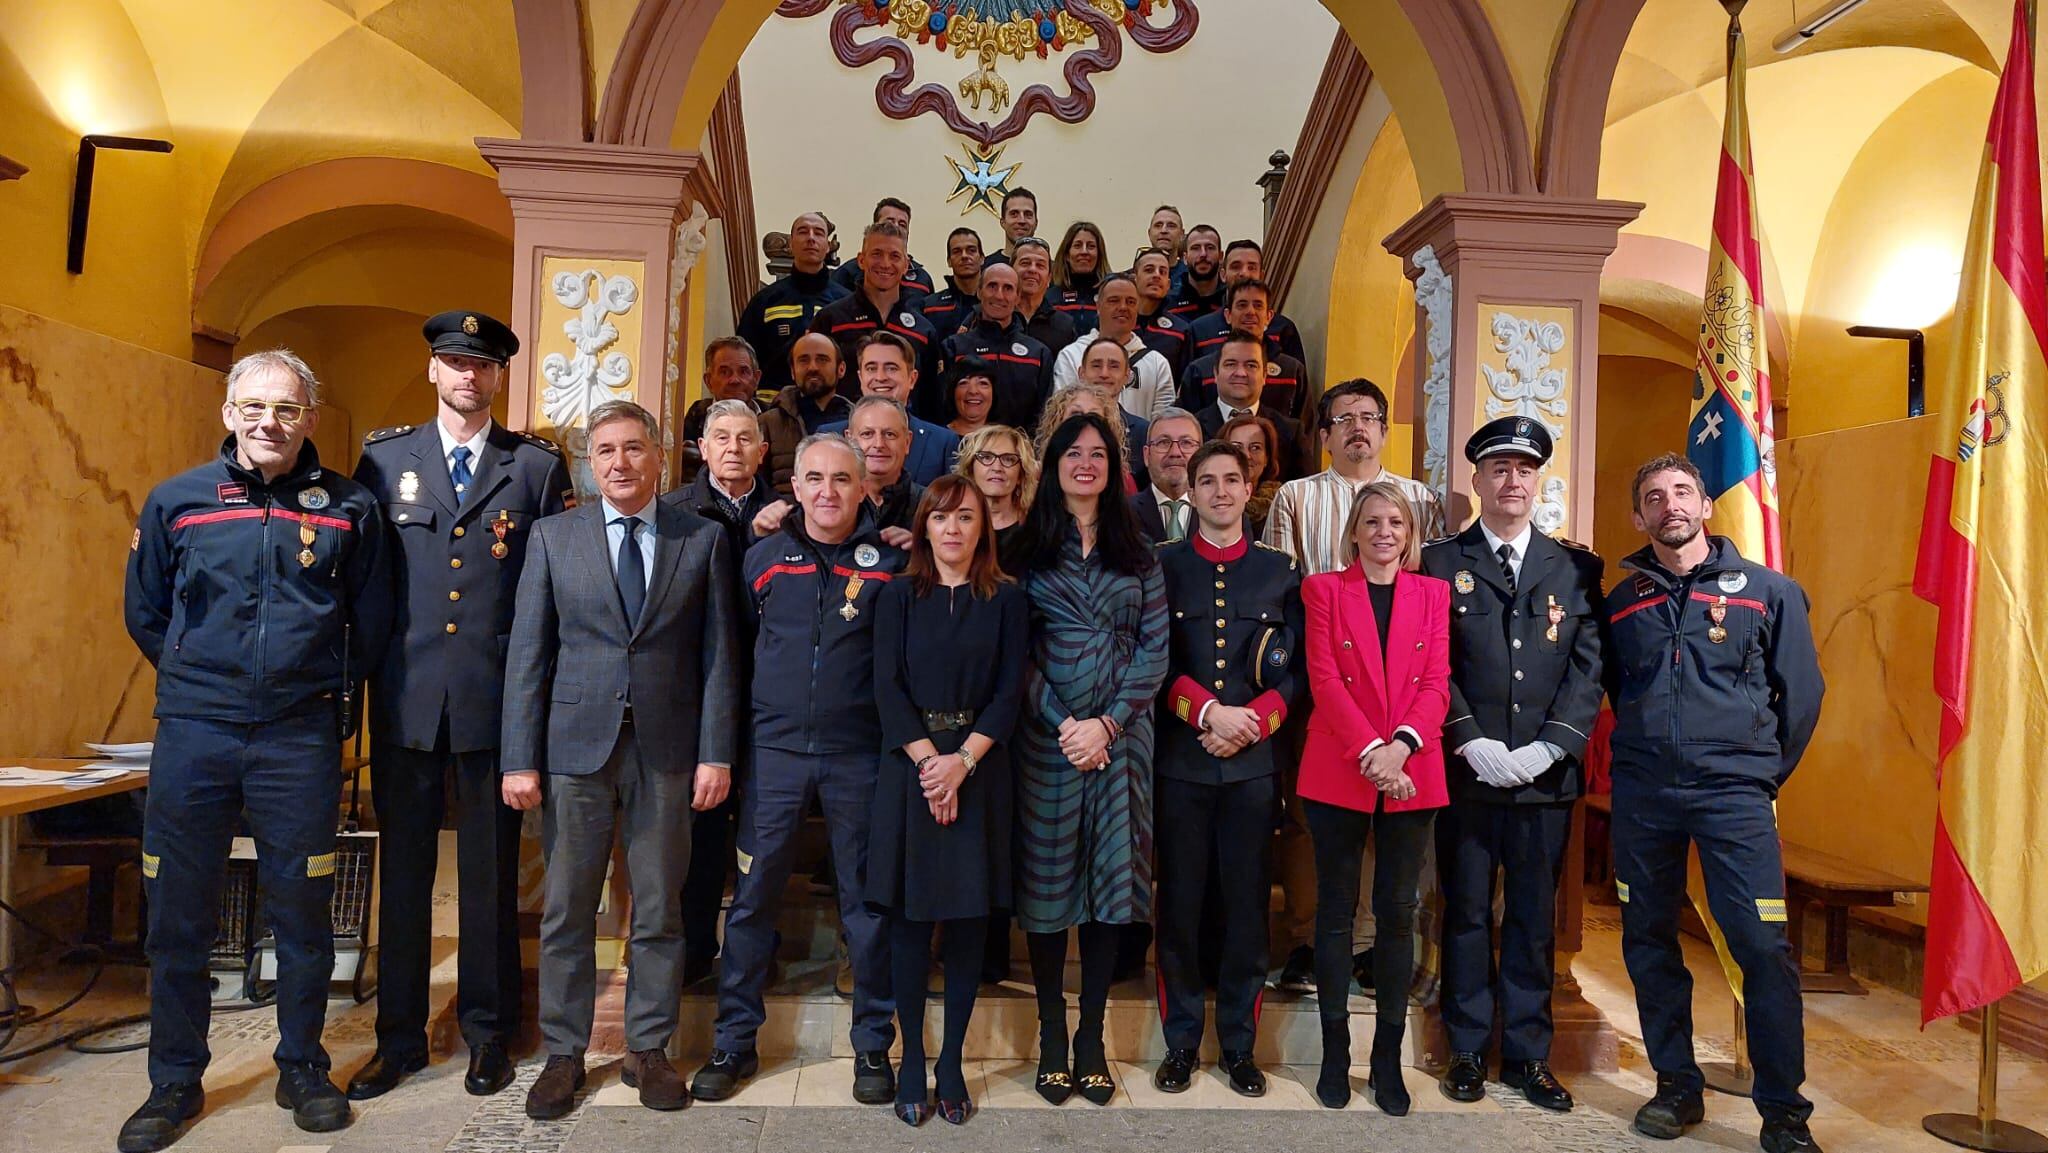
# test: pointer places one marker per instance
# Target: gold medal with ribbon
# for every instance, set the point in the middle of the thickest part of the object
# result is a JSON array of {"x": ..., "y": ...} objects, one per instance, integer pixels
[
  {"x": 846, "y": 611},
  {"x": 1717, "y": 613},
  {"x": 307, "y": 535},
  {"x": 1556, "y": 612},
  {"x": 501, "y": 526}
]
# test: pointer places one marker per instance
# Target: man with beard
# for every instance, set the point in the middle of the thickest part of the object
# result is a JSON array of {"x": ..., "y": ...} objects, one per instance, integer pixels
[
  {"x": 1307, "y": 523},
  {"x": 731, "y": 372},
  {"x": 1525, "y": 688},
  {"x": 1035, "y": 302},
  {"x": 952, "y": 307},
  {"x": 1243, "y": 260},
  {"x": 1716, "y": 689},
  {"x": 1156, "y": 327},
  {"x": 803, "y": 407},
  {"x": 883, "y": 304},
  {"x": 1023, "y": 364},
  {"x": 784, "y": 310},
  {"x": 462, "y": 493},
  {"x": 915, "y": 279},
  {"x": 1201, "y": 281}
]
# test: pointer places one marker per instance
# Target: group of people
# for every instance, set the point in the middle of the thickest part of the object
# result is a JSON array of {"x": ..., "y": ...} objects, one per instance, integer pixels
[{"x": 1046, "y": 648}]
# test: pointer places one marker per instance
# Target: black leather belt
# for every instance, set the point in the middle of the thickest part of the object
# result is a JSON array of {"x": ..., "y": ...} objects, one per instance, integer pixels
[{"x": 938, "y": 722}]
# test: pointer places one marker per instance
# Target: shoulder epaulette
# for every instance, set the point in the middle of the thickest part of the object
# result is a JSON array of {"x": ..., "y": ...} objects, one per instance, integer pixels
[
  {"x": 1572, "y": 544},
  {"x": 541, "y": 441},
  {"x": 1280, "y": 552},
  {"x": 376, "y": 435},
  {"x": 1446, "y": 539}
]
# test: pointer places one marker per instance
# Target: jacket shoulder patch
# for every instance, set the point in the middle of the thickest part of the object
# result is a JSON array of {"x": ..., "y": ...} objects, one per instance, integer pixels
[
  {"x": 382, "y": 434},
  {"x": 539, "y": 441}
]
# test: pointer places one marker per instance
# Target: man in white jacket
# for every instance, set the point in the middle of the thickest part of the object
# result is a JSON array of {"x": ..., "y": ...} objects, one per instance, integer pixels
[{"x": 1151, "y": 389}]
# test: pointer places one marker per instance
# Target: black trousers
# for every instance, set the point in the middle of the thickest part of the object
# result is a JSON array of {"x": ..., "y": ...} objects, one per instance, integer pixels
[
  {"x": 1218, "y": 831},
  {"x": 1524, "y": 845},
  {"x": 1339, "y": 836},
  {"x": 410, "y": 789},
  {"x": 711, "y": 862}
]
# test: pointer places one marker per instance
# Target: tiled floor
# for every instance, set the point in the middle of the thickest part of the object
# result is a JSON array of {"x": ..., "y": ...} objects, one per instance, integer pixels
[{"x": 1872, "y": 1073}]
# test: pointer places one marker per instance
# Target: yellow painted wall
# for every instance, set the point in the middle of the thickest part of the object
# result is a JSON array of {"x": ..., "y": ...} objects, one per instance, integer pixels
[
  {"x": 1370, "y": 319},
  {"x": 1643, "y": 407}
]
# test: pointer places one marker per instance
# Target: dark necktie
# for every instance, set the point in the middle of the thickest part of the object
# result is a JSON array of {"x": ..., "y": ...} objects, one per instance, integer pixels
[
  {"x": 460, "y": 474},
  {"x": 1506, "y": 553},
  {"x": 632, "y": 571}
]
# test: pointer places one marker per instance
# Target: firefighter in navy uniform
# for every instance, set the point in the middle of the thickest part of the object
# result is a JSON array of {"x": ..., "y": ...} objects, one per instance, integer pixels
[
  {"x": 1717, "y": 688},
  {"x": 1525, "y": 688},
  {"x": 1021, "y": 364},
  {"x": 1236, "y": 618},
  {"x": 1151, "y": 271},
  {"x": 884, "y": 303},
  {"x": 460, "y": 495},
  {"x": 258, "y": 586},
  {"x": 784, "y": 310}
]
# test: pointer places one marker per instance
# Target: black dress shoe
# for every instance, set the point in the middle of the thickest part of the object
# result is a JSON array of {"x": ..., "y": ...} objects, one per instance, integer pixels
[
  {"x": 1176, "y": 1072},
  {"x": 316, "y": 1105},
  {"x": 1538, "y": 1084},
  {"x": 1298, "y": 973},
  {"x": 490, "y": 1070},
  {"x": 1671, "y": 1112},
  {"x": 1787, "y": 1137},
  {"x": 874, "y": 1082},
  {"x": 162, "y": 1118},
  {"x": 1243, "y": 1072},
  {"x": 383, "y": 1074},
  {"x": 721, "y": 1076},
  {"x": 1465, "y": 1080}
]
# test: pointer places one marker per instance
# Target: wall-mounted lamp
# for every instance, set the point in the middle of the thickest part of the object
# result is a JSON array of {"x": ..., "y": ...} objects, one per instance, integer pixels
[
  {"x": 1811, "y": 26},
  {"x": 81, "y": 186},
  {"x": 1916, "y": 360}
]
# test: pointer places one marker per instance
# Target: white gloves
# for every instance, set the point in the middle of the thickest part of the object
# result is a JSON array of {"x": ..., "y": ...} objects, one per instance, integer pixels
[{"x": 1504, "y": 768}]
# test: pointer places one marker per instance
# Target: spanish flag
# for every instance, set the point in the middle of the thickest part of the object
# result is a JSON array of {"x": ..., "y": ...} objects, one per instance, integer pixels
[
  {"x": 1730, "y": 437},
  {"x": 1984, "y": 563}
]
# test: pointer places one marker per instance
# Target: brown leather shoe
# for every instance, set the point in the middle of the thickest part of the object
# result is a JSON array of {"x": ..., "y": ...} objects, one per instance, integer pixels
[
  {"x": 554, "y": 1092},
  {"x": 661, "y": 1087}
]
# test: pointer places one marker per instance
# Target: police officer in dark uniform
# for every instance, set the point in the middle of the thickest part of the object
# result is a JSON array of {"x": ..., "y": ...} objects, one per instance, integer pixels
[
  {"x": 1236, "y": 616},
  {"x": 784, "y": 310},
  {"x": 259, "y": 587},
  {"x": 460, "y": 495},
  {"x": 1717, "y": 689},
  {"x": 1525, "y": 687}
]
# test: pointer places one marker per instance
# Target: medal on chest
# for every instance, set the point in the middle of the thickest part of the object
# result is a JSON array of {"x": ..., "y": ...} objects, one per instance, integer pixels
[
  {"x": 1717, "y": 613},
  {"x": 1556, "y": 612},
  {"x": 501, "y": 526},
  {"x": 307, "y": 535},
  {"x": 847, "y": 611}
]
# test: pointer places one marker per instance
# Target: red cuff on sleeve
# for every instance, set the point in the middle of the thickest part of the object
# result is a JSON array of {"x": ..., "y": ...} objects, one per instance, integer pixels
[
  {"x": 1187, "y": 699},
  {"x": 1271, "y": 709}
]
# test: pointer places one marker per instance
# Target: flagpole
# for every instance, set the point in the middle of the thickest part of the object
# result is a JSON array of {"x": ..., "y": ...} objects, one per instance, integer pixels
[{"x": 1983, "y": 1130}]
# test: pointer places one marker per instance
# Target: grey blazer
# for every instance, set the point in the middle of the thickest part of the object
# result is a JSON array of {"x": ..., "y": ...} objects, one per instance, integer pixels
[{"x": 572, "y": 665}]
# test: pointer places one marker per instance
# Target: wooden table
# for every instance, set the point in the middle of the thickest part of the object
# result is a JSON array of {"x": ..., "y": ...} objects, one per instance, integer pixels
[{"x": 19, "y": 801}]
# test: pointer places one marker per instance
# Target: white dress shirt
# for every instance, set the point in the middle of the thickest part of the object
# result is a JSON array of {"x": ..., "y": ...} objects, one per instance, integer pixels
[
  {"x": 1520, "y": 545},
  {"x": 474, "y": 444},
  {"x": 1166, "y": 512},
  {"x": 615, "y": 534}
]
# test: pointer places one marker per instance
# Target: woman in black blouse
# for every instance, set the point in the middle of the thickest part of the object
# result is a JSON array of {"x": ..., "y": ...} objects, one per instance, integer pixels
[{"x": 939, "y": 850}]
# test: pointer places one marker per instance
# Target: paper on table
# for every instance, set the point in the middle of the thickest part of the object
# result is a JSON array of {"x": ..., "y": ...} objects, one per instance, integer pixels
[
  {"x": 22, "y": 777},
  {"x": 99, "y": 775},
  {"x": 119, "y": 766},
  {"x": 135, "y": 751}
]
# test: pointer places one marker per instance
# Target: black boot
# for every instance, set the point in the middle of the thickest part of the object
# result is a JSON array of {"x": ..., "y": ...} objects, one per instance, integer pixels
[
  {"x": 1333, "y": 1085},
  {"x": 1091, "y": 1061},
  {"x": 1055, "y": 1079},
  {"x": 1389, "y": 1092}
]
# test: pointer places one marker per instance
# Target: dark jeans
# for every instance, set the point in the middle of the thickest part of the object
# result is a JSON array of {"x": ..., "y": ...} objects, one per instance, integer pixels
[
  {"x": 411, "y": 791},
  {"x": 1398, "y": 843},
  {"x": 285, "y": 776}
]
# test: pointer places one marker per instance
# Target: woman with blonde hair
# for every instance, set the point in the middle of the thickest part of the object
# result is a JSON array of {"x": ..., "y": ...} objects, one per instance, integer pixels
[
  {"x": 1093, "y": 398},
  {"x": 1003, "y": 466}
]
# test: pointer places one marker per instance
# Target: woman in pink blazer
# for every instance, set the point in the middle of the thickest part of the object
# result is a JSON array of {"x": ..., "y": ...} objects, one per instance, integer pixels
[{"x": 1378, "y": 643}]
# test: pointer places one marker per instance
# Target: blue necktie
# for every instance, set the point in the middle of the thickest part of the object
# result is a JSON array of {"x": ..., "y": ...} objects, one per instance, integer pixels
[
  {"x": 460, "y": 472},
  {"x": 632, "y": 571}
]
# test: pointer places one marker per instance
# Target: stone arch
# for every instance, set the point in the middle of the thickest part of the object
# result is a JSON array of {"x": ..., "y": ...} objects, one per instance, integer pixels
[
  {"x": 553, "y": 71},
  {"x": 1575, "y": 100}
]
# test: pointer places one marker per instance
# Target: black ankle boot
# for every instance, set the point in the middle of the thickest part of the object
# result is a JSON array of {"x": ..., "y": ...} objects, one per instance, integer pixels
[
  {"x": 1091, "y": 1063},
  {"x": 1389, "y": 1092},
  {"x": 1055, "y": 1079},
  {"x": 1333, "y": 1085}
]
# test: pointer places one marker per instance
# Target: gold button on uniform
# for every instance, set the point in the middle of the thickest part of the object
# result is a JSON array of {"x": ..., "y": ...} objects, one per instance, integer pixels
[
  {"x": 1221, "y": 663},
  {"x": 1219, "y": 584},
  {"x": 1219, "y": 602},
  {"x": 454, "y": 594},
  {"x": 454, "y": 562},
  {"x": 1219, "y": 642},
  {"x": 1219, "y": 622},
  {"x": 459, "y": 530},
  {"x": 451, "y": 626},
  {"x": 1219, "y": 686}
]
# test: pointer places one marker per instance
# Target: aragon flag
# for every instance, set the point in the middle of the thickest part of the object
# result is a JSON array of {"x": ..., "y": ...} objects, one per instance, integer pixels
[
  {"x": 1729, "y": 436},
  {"x": 1984, "y": 562}
]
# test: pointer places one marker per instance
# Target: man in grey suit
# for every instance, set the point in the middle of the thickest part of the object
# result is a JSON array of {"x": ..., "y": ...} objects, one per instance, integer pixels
[{"x": 622, "y": 685}]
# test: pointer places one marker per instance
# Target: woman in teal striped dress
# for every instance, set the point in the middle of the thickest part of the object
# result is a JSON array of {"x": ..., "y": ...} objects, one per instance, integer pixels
[{"x": 1084, "y": 758}]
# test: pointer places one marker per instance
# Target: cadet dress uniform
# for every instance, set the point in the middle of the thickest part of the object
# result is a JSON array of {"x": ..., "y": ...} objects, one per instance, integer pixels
[
  {"x": 1525, "y": 669},
  {"x": 1717, "y": 689},
  {"x": 261, "y": 604},
  {"x": 1237, "y": 618},
  {"x": 458, "y": 517}
]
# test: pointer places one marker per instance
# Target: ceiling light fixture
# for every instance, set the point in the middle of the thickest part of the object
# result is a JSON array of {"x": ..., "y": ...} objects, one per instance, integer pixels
[{"x": 1811, "y": 28}]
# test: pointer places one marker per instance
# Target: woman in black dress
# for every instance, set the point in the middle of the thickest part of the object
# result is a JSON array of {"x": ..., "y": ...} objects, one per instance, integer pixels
[{"x": 939, "y": 849}]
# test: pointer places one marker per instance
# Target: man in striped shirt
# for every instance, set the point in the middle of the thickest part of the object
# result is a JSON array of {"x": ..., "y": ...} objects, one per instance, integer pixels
[{"x": 1306, "y": 523}]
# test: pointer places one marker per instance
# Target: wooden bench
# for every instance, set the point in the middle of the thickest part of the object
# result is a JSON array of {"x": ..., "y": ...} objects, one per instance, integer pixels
[{"x": 1816, "y": 878}]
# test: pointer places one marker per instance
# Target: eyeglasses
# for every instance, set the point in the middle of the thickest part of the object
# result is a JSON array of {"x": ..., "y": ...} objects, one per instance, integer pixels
[
  {"x": 288, "y": 413},
  {"x": 1185, "y": 443},
  {"x": 1344, "y": 420},
  {"x": 988, "y": 459}
]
